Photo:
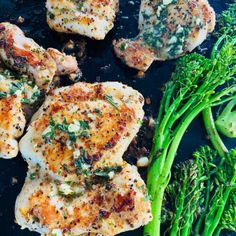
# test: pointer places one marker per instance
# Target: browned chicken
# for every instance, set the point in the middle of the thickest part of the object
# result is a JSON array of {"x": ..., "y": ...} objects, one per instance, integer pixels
[
  {"x": 78, "y": 181},
  {"x": 92, "y": 18},
  {"x": 25, "y": 56},
  {"x": 168, "y": 29},
  {"x": 15, "y": 94}
]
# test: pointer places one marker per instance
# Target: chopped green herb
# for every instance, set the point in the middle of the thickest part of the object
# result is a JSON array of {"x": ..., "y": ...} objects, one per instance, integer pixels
[
  {"x": 3, "y": 94},
  {"x": 15, "y": 86},
  {"x": 109, "y": 99},
  {"x": 123, "y": 46},
  {"x": 25, "y": 101},
  {"x": 74, "y": 130},
  {"x": 108, "y": 172},
  {"x": 98, "y": 111},
  {"x": 80, "y": 162},
  {"x": 33, "y": 176}
]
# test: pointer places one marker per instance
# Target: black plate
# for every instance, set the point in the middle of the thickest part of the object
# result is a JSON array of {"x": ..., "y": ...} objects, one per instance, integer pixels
[{"x": 98, "y": 63}]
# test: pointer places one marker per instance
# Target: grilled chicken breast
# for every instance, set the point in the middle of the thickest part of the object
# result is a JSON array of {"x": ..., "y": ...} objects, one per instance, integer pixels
[
  {"x": 108, "y": 207},
  {"x": 13, "y": 95},
  {"x": 101, "y": 119},
  {"x": 76, "y": 142},
  {"x": 26, "y": 56},
  {"x": 168, "y": 29},
  {"x": 92, "y": 18}
]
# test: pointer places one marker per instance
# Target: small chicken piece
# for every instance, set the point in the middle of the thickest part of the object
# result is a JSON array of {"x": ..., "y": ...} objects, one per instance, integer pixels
[
  {"x": 168, "y": 30},
  {"x": 13, "y": 95},
  {"x": 12, "y": 120},
  {"x": 100, "y": 119},
  {"x": 92, "y": 18},
  {"x": 65, "y": 64},
  {"x": 25, "y": 56},
  {"x": 108, "y": 208}
]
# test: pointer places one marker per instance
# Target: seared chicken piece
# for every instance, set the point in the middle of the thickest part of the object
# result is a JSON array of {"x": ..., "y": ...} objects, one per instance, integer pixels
[
  {"x": 92, "y": 18},
  {"x": 105, "y": 206},
  {"x": 13, "y": 94},
  {"x": 25, "y": 56},
  {"x": 168, "y": 30},
  {"x": 76, "y": 142},
  {"x": 99, "y": 119}
]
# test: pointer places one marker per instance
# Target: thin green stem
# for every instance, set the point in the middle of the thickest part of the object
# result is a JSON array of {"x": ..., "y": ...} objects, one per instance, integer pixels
[
  {"x": 203, "y": 214},
  {"x": 175, "y": 224},
  {"x": 153, "y": 228},
  {"x": 213, "y": 133}
]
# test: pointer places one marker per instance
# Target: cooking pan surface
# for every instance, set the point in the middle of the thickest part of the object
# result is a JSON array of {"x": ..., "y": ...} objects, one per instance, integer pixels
[{"x": 98, "y": 63}]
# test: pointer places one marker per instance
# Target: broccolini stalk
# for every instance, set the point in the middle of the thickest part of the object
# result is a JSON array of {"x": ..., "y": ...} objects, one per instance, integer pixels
[
  {"x": 228, "y": 220},
  {"x": 183, "y": 196},
  {"x": 201, "y": 196},
  {"x": 193, "y": 88},
  {"x": 226, "y": 123},
  {"x": 227, "y": 20},
  {"x": 225, "y": 182},
  {"x": 213, "y": 133}
]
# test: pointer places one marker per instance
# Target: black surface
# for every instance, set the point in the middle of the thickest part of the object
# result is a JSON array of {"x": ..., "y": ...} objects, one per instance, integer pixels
[{"x": 98, "y": 63}]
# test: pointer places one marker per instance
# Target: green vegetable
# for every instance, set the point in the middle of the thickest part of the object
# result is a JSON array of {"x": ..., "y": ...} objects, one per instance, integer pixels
[
  {"x": 194, "y": 87},
  {"x": 213, "y": 133},
  {"x": 223, "y": 181},
  {"x": 228, "y": 20},
  {"x": 228, "y": 220},
  {"x": 226, "y": 122},
  {"x": 227, "y": 27},
  {"x": 183, "y": 198},
  {"x": 201, "y": 196}
]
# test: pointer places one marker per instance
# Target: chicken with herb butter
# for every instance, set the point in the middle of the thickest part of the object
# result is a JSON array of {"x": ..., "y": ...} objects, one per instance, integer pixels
[
  {"x": 168, "y": 30},
  {"x": 102, "y": 204},
  {"x": 78, "y": 181},
  {"x": 92, "y": 18},
  {"x": 14, "y": 95},
  {"x": 25, "y": 56}
]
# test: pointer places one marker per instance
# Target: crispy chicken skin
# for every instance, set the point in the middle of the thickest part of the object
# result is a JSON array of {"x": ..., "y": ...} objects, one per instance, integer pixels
[
  {"x": 76, "y": 142},
  {"x": 168, "y": 30},
  {"x": 92, "y": 18},
  {"x": 26, "y": 56}
]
